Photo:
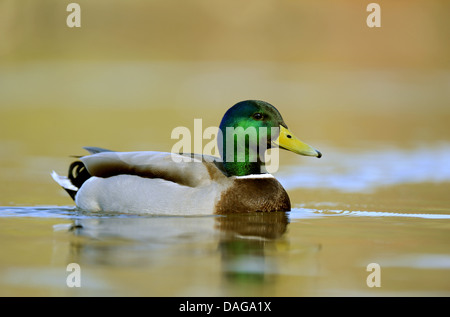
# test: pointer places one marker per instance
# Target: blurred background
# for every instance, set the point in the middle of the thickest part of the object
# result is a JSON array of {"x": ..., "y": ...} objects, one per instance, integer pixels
[{"x": 135, "y": 70}]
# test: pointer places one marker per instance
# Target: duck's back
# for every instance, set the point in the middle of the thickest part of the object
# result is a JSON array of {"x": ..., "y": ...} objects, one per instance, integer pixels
[{"x": 151, "y": 182}]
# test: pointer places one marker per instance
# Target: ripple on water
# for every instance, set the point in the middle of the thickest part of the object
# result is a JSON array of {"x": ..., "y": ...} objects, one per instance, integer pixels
[
  {"x": 39, "y": 211},
  {"x": 366, "y": 171},
  {"x": 67, "y": 212},
  {"x": 301, "y": 213},
  {"x": 72, "y": 212}
]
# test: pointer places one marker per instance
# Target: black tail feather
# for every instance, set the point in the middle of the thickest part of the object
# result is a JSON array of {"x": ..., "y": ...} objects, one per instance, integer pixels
[
  {"x": 78, "y": 174},
  {"x": 72, "y": 193}
]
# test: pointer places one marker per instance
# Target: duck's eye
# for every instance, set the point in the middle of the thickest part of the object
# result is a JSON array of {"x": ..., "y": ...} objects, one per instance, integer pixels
[{"x": 257, "y": 116}]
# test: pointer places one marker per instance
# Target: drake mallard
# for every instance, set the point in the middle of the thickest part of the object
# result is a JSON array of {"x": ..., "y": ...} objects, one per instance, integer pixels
[{"x": 167, "y": 183}]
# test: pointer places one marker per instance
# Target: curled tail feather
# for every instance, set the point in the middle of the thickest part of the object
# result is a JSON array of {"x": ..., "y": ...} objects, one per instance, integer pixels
[{"x": 78, "y": 174}]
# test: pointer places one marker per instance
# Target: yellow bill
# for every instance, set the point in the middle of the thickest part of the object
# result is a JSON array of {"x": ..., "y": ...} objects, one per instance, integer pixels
[{"x": 286, "y": 140}]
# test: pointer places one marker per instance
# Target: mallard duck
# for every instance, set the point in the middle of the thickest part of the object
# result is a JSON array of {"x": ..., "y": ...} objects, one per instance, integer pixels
[{"x": 168, "y": 183}]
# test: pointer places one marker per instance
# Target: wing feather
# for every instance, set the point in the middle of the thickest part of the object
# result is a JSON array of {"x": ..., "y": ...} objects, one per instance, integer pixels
[{"x": 179, "y": 168}]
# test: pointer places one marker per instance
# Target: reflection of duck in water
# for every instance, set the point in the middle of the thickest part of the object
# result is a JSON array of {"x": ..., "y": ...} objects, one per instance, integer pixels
[
  {"x": 239, "y": 241},
  {"x": 244, "y": 245},
  {"x": 255, "y": 225},
  {"x": 162, "y": 183},
  {"x": 262, "y": 226},
  {"x": 107, "y": 237}
]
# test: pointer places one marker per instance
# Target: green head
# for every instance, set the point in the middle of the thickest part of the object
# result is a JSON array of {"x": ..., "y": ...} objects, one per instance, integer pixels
[{"x": 248, "y": 129}]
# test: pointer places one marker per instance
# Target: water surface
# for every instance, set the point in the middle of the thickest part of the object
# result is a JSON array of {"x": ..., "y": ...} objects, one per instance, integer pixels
[{"x": 317, "y": 249}]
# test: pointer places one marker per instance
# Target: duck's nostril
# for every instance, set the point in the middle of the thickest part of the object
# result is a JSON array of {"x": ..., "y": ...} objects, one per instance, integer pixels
[{"x": 289, "y": 136}]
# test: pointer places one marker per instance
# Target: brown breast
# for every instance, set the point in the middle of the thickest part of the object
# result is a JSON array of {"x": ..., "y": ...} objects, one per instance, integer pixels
[{"x": 253, "y": 194}]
